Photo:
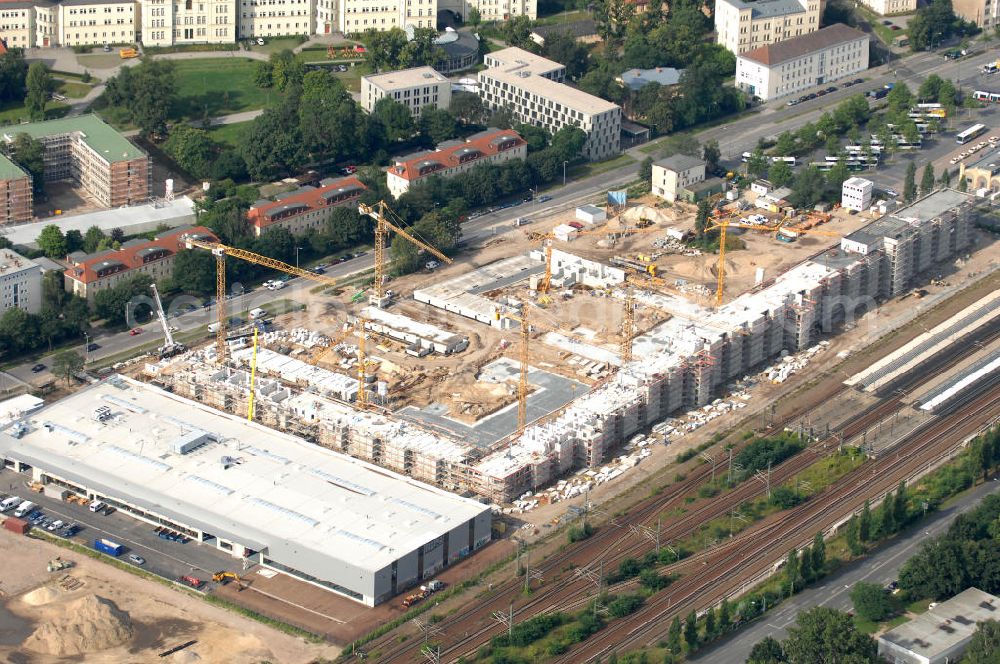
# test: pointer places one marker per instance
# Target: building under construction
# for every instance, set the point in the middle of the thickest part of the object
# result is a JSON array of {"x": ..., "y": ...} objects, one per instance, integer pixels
[{"x": 682, "y": 363}]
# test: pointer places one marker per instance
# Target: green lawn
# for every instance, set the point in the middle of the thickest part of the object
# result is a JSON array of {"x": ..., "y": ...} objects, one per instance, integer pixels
[
  {"x": 565, "y": 17},
  {"x": 277, "y": 44},
  {"x": 219, "y": 86},
  {"x": 15, "y": 113},
  {"x": 596, "y": 167},
  {"x": 229, "y": 134},
  {"x": 73, "y": 89}
]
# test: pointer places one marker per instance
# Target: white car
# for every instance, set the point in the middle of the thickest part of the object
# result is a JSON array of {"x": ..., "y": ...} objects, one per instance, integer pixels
[{"x": 55, "y": 525}]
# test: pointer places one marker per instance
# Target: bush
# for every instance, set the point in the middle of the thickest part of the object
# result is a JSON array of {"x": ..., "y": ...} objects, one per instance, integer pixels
[
  {"x": 763, "y": 452},
  {"x": 707, "y": 491},
  {"x": 624, "y": 605},
  {"x": 871, "y": 601},
  {"x": 784, "y": 497},
  {"x": 579, "y": 533}
]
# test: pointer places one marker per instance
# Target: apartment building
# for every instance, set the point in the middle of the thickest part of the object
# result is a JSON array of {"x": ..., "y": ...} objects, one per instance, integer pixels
[
  {"x": 492, "y": 146},
  {"x": 90, "y": 274},
  {"x": 744, "y": 26},
  {"x": 169, "y": 22},
  {"x": 856, "y": 194},
  {"x": 797, "y": 64},
  {"x": 17, "y": 23},
  {"x": 105, "y": 164},
  {"x": 15, "y": 193},
  {"x": 20, "y": 283},
  {"x": 671, "y": 176},
  {"x": 261, "y": 18},
  {"x": 885, "y": 7},
  {"x": 532, "y": 88},
  {"x": 306, "y": 208},
  {"x": 491, "y": 10},
  {"x": 357, "y": 16},
  {"x": 95, "y": 22},
  {"x": 984, "y": 13},
  {"x": 414, "y": 88}
]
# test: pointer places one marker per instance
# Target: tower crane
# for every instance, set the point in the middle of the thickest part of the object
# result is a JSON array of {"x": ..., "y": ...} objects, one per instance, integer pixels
[
  {"x": 628, "y": 327},
  {"x": 382, "y": 228},
  {"x": 220, "y": 251},
  {"x": 169, "y": 347}
]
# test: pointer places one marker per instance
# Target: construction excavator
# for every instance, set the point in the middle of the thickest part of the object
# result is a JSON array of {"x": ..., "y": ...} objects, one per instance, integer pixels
[{"x": 225, "y": 577}]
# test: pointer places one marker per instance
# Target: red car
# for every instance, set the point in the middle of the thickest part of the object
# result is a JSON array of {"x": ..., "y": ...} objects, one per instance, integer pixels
[
  {"x": 135, "y": 330},
  {"x": 192, "y": 581}
]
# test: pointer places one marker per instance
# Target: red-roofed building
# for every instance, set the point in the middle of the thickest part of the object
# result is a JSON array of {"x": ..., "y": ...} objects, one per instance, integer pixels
[
  {"x": 93, "y": 273},
  {"x": 492, "y": 146},
  {"x": 306, "y": 207}
]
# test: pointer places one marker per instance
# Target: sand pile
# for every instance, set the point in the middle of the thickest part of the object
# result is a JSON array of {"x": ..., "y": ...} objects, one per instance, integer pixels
[
  {"x": 40, "y": 596},
  {"x": 87, "y": 624}
]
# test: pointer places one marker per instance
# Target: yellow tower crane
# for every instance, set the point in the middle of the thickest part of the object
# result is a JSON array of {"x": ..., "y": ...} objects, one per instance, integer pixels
[
  {"x": 628, "y": 327},
  {"x": 220, "y": 251},
  {"x": 382, "y": 228},
  {"x": 723, "y": 224}
]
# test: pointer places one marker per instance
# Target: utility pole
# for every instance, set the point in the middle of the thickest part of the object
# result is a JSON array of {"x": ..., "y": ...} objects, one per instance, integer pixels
[
  {"x": 730, "y": 466},
  {"x": 650, "y": 534},
  {"x": 433, "y": 655},
  {"x": 506, "y": 619},
  {"x": 596, "y": 578},
  {"x": 711, "y": 459},
  {"x": 530, "y": 574}
]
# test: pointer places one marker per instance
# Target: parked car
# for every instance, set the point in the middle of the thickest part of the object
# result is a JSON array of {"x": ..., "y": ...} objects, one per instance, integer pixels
[
  {"x": 886, "y": 22},
  {"x": 37, "y": 368},
  {"x": 832, "y": 88},
  {"x": 858, "y": 80},
  {"x": 792, "y": 102},
  {"x": 55, "y": 525},
  {"x": 135, "y": 330},
  {"x": 136, "y": 559},
  {"x": 260, "y": 41},
  {"x": 192, "y": 581},
  {"x": 544, "y": 199},
  {"x": 92, "y": 347}
]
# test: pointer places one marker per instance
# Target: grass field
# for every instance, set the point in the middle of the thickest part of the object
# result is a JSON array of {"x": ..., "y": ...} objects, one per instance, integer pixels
[
  {"x": 73, "y": 89},
  {"x": 16, "y": 113},
  {"x": 229, "y": 134},
  {"x": 219, "y": 86},
  {"x": 277, "y": 44}
]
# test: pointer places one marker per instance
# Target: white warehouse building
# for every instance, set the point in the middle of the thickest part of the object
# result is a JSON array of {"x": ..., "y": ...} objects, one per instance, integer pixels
[
  {"x": 325, "y": 518},
  {"x": 791, "y": 66}
]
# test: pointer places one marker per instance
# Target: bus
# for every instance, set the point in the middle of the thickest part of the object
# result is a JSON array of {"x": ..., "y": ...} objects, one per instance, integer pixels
[
  {"x": 970, "y": 133},
  {"x": 788, "y": 160},
  {"x": 985, "y": 95},
  {"x": 927, "y": 107}
]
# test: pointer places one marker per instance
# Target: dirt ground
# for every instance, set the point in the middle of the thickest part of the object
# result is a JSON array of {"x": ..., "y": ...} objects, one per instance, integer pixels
[
  {"x": 147, "y": 618},
  {"x": 67, "y": 197}
]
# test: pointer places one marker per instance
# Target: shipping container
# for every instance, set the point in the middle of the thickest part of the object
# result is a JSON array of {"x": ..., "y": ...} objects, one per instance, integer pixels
[
  {"x": 15, "y": 525},
  {"x": 109, "y": 547}
]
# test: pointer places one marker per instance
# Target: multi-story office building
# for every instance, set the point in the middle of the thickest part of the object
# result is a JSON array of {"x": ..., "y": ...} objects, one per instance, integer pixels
[
  {"x": 673, "y": 174},
  {"x": 305, "y": 208},
  {"x": 20, "y": 283},
  {"x": 357, "y": 16},
  {"x": 884, "y": 7},
  {"x": 491, "y": 10},
  {"x": 788, "y": 67},
  {"x": 414, "y": 88},
  {"x": 532, "y": 88},
  {"x": 15, "y": 193},
  {"x": 105, "y": 164},
  {"x": 449, "y": 159},
  {"x": 856, "y": 194},
  {"x": 260, "y": 18},
  {"x": 94, "y": 22},
  {"x": 743, "y": 26},
  {"x": 93, "y": 273}
]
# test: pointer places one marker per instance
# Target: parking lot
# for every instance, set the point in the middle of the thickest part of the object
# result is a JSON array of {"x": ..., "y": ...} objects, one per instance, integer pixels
[{"x": 165, "y": 558}]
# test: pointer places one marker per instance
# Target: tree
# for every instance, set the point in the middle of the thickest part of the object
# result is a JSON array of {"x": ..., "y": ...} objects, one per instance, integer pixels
[
  {"x": 468, "y": 107},
  {"x": 808, "y": 188},
  {"x": 825, "y": 635},
  {"x": 725, "y": 620},
  {"x": 792, "y": 573},
  {"x": 939, "y": 570},
  {"x": 67, "y": 363},
  {"x": 871, "y": 601},
  {"x": 52, "y": 242},
  {"x": 192, "y": 149},
  {"x": 474, "y": 17},
  {"x": 899, "y": 515},
  {"x": 110, "y": 303},
  {"x": 985, "y": 644},
  {"x": 711, "y": 154},
  {"x": 701, "y": 218},
  {"x": 517, "y": 32},
  {"x": 29, "y": 154},
  {"x": 421, "y": 50},
  {"x": 145, "y": 93},
  {"x": 13, "y": 72},
  {"x": 885, "y": 517},
  {"x": 780, "y": 174},
  {"x": 194, "y": 271},
  {"x": 563, "y": 47},
  {"x": 92, "y": 238},
  {"x": 273, "y": 144},
  {"x": 767, "y": 651},
  {"x": 945, "y": 178},
  {"x": 39, "y": 85},
  {"x": 805, "y": 565},
  {"x": 263, "y": 74},
  {"x": 646, "y": 169},
  {"x": 18, "y": 330},
  {"x": 865, "y": 523},
  {"x": 851, "y": 534},
  {"x": 437, "y": 124},
  {"x": 710, "y": 623},
  {"x": 691, "y": 631},
  {"x": 818, "y": 554},
  {"x": 835, "y": 177},
  {"x": 384, "y": 48},
  {"x": 786, "y": 144},
  {"x": 757, "y": 164},
  {"x": 287, "y": 71},
  {"x": 395, "y": 119},
  {"x": 674, "y": 636},
  {"x": 927, "y": 179}
]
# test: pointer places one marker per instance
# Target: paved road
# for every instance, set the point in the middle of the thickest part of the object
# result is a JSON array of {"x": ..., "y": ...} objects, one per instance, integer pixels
[{"x": 880, "y": 567}]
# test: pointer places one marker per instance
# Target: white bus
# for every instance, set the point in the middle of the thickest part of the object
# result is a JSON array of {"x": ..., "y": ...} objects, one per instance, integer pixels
[
  {"x": 970, "y": 133},
  {"x": 927, "y": 107},
  {"x": 788, "y": 160}
]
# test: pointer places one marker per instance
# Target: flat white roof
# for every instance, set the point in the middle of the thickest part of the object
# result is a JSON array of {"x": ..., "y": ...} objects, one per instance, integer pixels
[
  {"x": 406, "y": 78},
  {"x": 560, "y": 93},
  {"x": 326, "y": 506}
]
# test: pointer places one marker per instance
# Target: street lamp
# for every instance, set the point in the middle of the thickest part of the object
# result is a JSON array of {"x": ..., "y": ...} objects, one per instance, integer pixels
[
  {"x": 297, "y": 257},
  {"x": 564, "y": 172},
  {"x": 86, "y": 349}
]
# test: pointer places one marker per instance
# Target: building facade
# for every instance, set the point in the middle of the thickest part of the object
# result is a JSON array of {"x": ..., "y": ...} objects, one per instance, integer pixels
[
  {"x": 491, "y": 10},
  {"x": 856, "y": 194},
  {"x": 886, "y": 7},
  {"x": 791, "y": 66},
  {"x": 259, "y": 18},
  {"x": 744, "y": 26},
  {"x": 492, "y": 146},
  {"x": 983, "y": 173},
  {"x": 414, "y": 88},
  {"x": 532, "y": 88},
  {"x": 169, "y": 22},
  {"x": 15, "y": 193},
  {"x": 20, "y": 283},
  {"x": 93, "y": 273},
  {"x": 95, "y": 22},
  {"x": 106, "y": 165},
  {"x": 671, "y": 176},
  {"x": 357, "y": 16},
  {"x": 983, "y": 13},
  {"x": 305, "y": 208}
]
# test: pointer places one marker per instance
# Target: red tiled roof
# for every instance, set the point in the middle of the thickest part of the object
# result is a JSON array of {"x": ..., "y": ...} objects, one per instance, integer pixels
[
  {"x": 135, "y": 254},
  {"x": 305, "y": 200},
  {"x": 484, "y": 144}
]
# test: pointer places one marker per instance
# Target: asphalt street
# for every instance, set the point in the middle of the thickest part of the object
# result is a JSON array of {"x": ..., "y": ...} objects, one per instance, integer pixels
[{"x": 880, "y": 567}]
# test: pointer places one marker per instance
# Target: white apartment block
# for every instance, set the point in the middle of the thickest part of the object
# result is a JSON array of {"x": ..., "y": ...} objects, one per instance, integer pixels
[
  {"x": 493, "y": 146},
  {"x": 856, "y": 194},
  {"x": 984, "y": 13},
  {"x": 95, "y": 22},
  {"x": 414, "y": 88},
  {"x": 261, "y": 18},
  {"x": 357, "y": 16},
  {"x": 169, "y": 22},
  {"x": 17, "y": 23},
  {"x": 20, "y": 283},
  {"x": 742, "y": 26},
  {"x": 791, "y": 66},
  {"x": 675, "y": 173},
  {"x": 531, "y": 87},
  {"x": 884, "y": 7},
  {"x": 492, "y": 10}
]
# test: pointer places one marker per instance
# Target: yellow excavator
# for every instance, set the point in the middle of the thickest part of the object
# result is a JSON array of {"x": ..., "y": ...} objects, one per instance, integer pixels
[{"x": 226, "y": 577}]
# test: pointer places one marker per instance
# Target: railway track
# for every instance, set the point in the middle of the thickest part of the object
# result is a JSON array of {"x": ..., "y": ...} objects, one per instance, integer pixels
[
  {"x": 614, "y": 541},
  {"x": 741, "y": 562}
]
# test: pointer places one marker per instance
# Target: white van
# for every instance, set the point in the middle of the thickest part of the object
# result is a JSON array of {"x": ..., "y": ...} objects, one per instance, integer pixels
[
  {"x": 257, "y": 313},
  {"x": 213, "y": 327},
  {"x": 9, "y": 503},
  {"x": 24, "y": 509},
  {"x": 96, "y": 506}
]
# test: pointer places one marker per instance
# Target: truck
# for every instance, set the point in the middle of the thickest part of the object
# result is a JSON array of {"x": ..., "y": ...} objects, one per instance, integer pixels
[
  {"x": 24, "y": 509},
  {"x": 107, "y": 546}
]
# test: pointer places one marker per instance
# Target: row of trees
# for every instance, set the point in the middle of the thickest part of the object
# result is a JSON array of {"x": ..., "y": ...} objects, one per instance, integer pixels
[
  {"x": 820, "y": 634},
  {"x": 390, "y": 50},
  {"x": 52, "y": 242},
  {"x": 63, "y": 316}
]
